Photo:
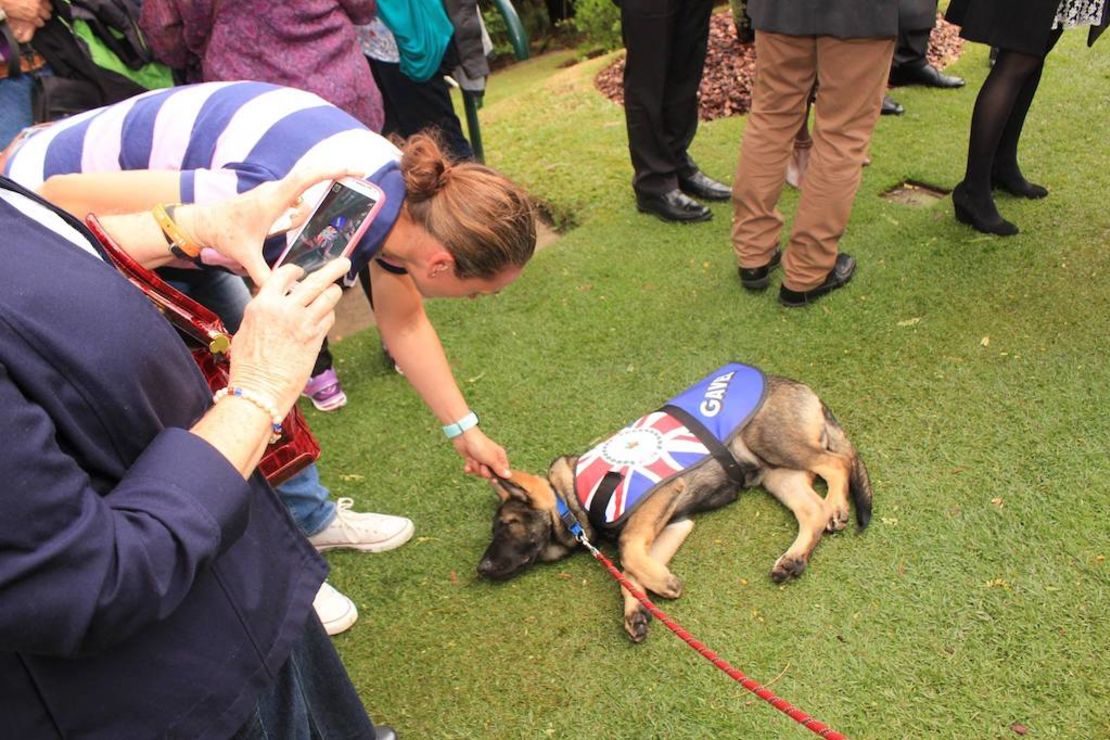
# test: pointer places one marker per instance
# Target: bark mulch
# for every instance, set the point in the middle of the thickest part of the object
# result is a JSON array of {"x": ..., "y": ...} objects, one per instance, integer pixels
[{"x": 726, "y": 84}]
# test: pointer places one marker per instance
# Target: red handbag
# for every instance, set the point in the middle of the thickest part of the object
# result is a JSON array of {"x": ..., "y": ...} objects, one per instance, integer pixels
[{"x": 210, "y": 344}]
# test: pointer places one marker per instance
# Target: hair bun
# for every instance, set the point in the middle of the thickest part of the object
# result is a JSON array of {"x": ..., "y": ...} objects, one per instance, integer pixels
[
  {"x": 425, "y": 168},
  {"x": 481, "y": 218}
]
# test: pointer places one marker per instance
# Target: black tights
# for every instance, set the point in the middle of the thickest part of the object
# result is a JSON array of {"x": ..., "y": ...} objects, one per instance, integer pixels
[{"x": 997, "y": 121}]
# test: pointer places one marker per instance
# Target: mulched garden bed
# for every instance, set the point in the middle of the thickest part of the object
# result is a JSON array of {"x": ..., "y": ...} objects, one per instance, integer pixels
[{"x": 726, "y": 85}]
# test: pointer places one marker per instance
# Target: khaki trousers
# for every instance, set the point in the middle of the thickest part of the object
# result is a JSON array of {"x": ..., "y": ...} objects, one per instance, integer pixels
[{"x": 851, "y": 75}]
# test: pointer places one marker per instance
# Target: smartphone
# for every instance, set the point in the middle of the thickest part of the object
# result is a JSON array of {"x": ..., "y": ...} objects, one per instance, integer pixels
[{"x": 338, "y": 221}]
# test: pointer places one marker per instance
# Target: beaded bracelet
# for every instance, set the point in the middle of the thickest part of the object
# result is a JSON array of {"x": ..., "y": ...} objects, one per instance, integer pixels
[{"x": 258, "y": 400}]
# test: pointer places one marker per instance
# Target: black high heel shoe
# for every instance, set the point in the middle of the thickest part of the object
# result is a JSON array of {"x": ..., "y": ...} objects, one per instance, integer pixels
[{"x": 967, "y": 213}]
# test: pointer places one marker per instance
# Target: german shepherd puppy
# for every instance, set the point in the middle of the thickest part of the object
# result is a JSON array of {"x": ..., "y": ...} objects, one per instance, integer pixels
[{"x": 789, "y": 441}]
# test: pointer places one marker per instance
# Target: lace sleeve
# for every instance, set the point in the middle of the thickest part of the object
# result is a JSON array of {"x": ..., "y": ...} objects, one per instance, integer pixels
[{"x": 1072, "y": 13}]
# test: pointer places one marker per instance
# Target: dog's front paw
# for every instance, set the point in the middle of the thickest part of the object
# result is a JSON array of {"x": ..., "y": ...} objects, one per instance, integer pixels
[
  {"x": 636, "y": 623},
  {"x": 838, "y": 518},
  {"x": 788, "y": 566}
]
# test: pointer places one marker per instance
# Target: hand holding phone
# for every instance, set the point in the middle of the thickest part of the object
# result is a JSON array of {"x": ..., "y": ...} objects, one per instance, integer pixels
[{"x": 336, "y": 224}]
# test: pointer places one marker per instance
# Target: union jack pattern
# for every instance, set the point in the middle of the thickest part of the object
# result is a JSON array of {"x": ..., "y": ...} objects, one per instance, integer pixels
[{"x": 647, "y": 451}]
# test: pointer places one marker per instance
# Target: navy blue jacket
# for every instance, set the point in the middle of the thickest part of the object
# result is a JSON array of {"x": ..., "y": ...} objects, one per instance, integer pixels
[{"x": 146, "y": 589}]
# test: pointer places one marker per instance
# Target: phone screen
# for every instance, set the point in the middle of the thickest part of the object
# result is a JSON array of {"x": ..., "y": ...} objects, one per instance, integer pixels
[{"x": 331, "y": 227}]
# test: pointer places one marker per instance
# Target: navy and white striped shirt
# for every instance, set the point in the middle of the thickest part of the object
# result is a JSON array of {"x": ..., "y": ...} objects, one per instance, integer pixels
[{"x": 224, "y": 137}]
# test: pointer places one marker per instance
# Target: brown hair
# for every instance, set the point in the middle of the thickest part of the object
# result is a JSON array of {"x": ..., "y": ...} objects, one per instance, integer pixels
[{"x": 484, "y": 220}]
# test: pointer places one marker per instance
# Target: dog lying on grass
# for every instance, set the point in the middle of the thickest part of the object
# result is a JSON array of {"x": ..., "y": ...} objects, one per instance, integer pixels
[{"x": 784, "y": 438}]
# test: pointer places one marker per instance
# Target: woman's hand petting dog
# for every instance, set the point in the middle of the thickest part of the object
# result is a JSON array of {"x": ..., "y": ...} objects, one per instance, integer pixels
[{"x": 483, "y": 456}]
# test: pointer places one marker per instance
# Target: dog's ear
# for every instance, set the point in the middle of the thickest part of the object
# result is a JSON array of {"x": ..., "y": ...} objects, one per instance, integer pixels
[
  {"x": 506, "y": 489},
  {"x": 537, "y": 490}
]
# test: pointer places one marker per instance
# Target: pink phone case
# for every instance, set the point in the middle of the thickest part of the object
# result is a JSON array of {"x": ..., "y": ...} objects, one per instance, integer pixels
[{"x": 352, "y": 242}]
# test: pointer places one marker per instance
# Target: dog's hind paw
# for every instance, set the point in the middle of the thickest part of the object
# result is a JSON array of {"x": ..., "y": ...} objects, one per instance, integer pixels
[
  {"x": 636, "y": 624},
  {"x": 671, "y": 587},
  {"x": 787, "y": 566},
  {"x": 838, "y": 519}
]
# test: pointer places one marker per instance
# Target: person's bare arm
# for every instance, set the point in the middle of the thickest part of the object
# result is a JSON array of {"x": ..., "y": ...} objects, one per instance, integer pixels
[
  {"x": 415, "y": 346},
  {"x": 105, "y": 193}
]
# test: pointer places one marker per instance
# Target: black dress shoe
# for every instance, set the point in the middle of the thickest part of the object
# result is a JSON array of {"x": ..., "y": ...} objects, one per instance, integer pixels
[
  {"x": 673, "y": 206},
  {"x": 838, "y": 277},
  {"x": 979, "y": 214},
  {"x": 892, "y": 107},
  {"x": 925, "y": 74},
  {"x": 702, "y": 186},
  {"x": 758, "y": 278}
]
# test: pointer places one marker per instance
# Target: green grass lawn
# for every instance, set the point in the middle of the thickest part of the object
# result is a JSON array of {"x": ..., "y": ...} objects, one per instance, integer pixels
[{"x": 970, "y": 371}]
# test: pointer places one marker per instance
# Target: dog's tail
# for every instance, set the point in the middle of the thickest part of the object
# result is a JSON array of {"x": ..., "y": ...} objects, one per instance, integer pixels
[{"x": 859, "y": 485}]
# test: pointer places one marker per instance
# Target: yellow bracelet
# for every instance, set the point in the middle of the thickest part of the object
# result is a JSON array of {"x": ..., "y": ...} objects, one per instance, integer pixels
[{"x": 180, "y": 244}]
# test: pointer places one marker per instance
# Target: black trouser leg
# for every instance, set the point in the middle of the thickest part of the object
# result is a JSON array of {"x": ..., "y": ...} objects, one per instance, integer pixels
[
  {"x": 911, "y": 49},
  {"x": 666, "y": 42},
  {"x": 680, "y": 106}
]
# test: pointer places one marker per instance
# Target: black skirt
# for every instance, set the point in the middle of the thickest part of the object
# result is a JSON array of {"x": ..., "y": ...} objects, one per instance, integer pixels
[{"x": 1017, "y": 25}]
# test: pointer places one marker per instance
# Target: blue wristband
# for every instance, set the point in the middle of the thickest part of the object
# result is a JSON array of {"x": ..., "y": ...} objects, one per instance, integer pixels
[{"x": 460, "y": 426}]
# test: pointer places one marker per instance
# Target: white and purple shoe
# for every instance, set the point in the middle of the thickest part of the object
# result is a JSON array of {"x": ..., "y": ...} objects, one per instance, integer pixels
[{"x": 325, "y": 391}]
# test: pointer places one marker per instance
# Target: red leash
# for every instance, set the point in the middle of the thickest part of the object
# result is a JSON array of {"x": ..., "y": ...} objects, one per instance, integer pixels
[{"x": 810, "y": 723}]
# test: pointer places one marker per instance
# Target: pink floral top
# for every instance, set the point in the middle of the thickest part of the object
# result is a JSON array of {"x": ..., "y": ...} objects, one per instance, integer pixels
[{"x": 307, "y": 44}]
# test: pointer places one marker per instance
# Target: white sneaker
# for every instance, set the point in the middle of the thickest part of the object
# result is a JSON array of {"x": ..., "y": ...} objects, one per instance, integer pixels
[
  {"x": 362, "y": 531},
  {"x": 336, "y": 612}
]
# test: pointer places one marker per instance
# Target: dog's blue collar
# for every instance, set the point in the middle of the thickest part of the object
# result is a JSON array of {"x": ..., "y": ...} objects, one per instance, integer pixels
[{"x": 570, "y": 521}]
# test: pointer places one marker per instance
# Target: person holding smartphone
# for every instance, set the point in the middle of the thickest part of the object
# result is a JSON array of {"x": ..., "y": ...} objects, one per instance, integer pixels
[
  {"x": 443, "y": 230},
  {"x": 151, "y": 585}
]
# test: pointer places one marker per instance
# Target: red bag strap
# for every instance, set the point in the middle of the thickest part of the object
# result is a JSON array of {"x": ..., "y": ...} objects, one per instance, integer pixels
[{"x": 189, "y": 317}]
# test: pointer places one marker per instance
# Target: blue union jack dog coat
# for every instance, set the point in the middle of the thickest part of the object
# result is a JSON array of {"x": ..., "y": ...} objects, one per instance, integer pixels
[{"x": 614, "y": 477}]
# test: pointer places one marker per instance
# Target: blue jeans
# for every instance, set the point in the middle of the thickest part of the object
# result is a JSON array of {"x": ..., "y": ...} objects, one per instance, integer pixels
[
  {"x": 311, "y": 697},
  {"x": 15, "y": 104},
  {"x": 15, "y": 107},
  {"x": 306, "y": 498}
]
